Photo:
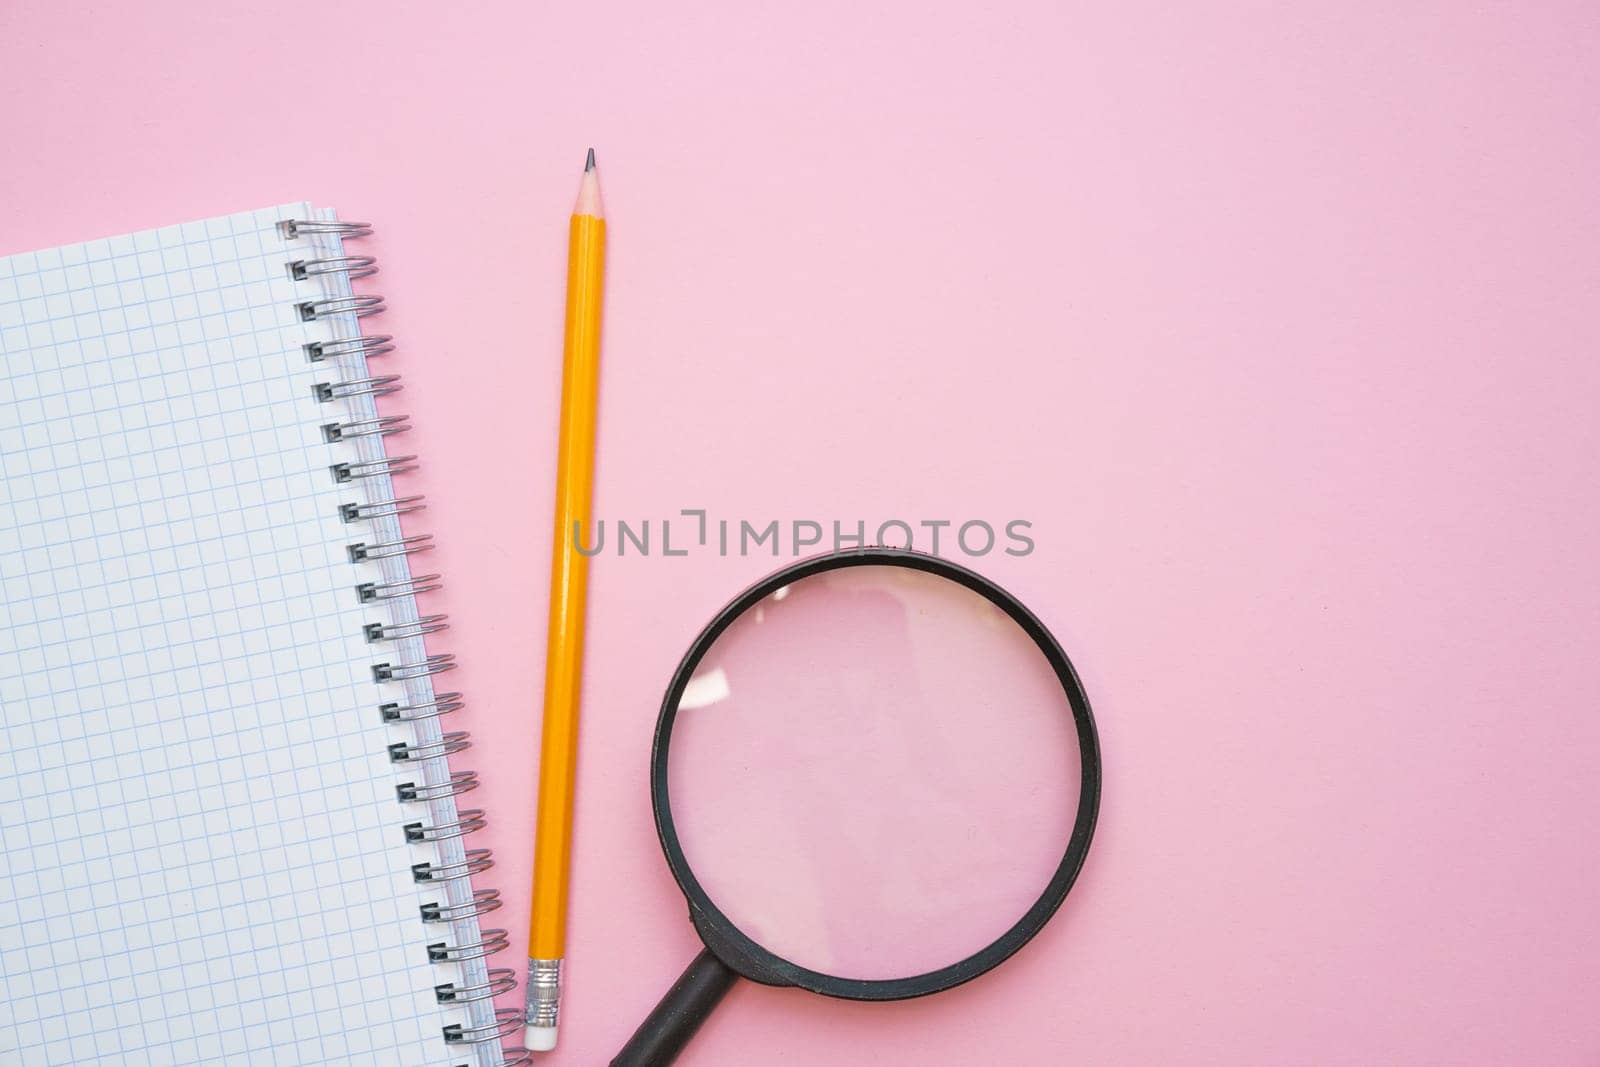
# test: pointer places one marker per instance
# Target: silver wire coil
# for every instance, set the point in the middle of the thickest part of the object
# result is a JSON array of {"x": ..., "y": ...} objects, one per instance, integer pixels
[
  {"x": 360, "y": 306},
  {"x": 400, "y": 505},
  {"x": 458, "y": 783},
  {"x": 482, "y": 903},
  {"x": 368, "y": 424},
  {"x": 422, "y": 668},
  {"x": 448, "y": 744},
  {"x": 476, "y": 861},
  {"x": 382, "y": 385},
  {"x": 507, "y": 1021},
  {"x": 368, "y": 346},
  {"x": 467, "y": 821},
  {"x": 350, "y": 266},
  {"x": 501, "y": 980},
  {"x": 422, "y": 626},
  {"x": 489, "y": 942},
  {"x": 373, "y": 468},
  {"x": 441, "y": 704},
  {"x": 371, "y": 592},
  {"x": 361, "y": 552},
  {"x": 383, "y": 426},
  {"x": 294, "y": 228}
]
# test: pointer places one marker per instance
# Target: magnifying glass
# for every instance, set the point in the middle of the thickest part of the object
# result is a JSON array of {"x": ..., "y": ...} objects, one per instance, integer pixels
[{"x": 875, "y": 776}]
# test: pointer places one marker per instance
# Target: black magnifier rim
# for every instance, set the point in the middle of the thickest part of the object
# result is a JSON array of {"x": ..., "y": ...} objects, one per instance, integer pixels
[{"x": 750, "y": 959}]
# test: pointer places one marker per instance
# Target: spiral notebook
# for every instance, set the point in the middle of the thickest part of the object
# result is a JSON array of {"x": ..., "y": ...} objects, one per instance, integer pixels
[{"x": 230, "y": 824}]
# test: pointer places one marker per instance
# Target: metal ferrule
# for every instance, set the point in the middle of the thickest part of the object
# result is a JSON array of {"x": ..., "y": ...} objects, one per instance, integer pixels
[{"x": 544, "y": 993}]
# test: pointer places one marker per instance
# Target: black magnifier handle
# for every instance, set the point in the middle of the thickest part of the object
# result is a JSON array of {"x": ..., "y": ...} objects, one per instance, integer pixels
[{"x": 679, "y": 1014}]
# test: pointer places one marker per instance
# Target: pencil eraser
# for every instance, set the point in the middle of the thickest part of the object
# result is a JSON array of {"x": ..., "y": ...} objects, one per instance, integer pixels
[{"x": 539, "y": 1038}]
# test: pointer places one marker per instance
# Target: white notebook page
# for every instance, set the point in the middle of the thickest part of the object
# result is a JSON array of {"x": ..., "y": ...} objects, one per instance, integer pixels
[{"x": 202, "y": 858}]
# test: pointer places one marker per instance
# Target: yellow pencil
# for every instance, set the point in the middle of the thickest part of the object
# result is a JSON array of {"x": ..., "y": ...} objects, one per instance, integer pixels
[{"x": 569, "y": 576}]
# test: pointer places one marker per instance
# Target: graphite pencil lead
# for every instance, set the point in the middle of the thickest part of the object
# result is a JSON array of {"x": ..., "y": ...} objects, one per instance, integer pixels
[{"x": 588, "y": 164}]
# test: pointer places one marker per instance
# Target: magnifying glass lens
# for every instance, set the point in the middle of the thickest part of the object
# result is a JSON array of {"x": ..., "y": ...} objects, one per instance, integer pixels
[{"x": 873, "y": 773}]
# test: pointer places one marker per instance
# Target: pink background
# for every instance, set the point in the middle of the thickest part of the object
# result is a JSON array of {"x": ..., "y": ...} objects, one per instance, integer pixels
[{"x": 1278, "y": 323}]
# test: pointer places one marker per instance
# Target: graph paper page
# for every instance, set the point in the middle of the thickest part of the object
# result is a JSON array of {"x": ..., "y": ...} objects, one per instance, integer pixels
[{"x": 203, "y": 859}]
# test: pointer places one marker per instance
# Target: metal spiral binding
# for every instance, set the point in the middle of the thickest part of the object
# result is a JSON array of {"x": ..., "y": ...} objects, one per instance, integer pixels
[
  {"x": 453, "y": 908},
  {"x": 373, "y": 468},
  {"x": 360, "y": 552},
  {"x": 506, "y": 1021},
  {"x": 374, "y": 344},
  {"x": 400, "y": 505},
  {"x": 373, "y": 591},
  {"x": 460, "y": 782},
  {"x": 359, "y": 306},
  {"x": 351, "y": 267},
  {"x": 399, "y": 672},
  {"x": 489, "y": 942},
  {"x": 441, "y": 704},
  {"x": 383, "y": 426},
  {"x": 425, "y": 624},
  {"x": 382, "y": 385},
  {"x": 483, "y": 902},
  {"x": 478, "y": 860},
  {"x": 468, "y": 821},
  {"x": 449, "y": 744},
  {"x": 501, "y": 980},
  {"x": 293, "y": 228}
]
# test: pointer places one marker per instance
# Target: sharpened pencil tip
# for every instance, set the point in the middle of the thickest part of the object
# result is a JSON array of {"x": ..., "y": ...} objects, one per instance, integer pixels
[{"x": 588, "y": 188}]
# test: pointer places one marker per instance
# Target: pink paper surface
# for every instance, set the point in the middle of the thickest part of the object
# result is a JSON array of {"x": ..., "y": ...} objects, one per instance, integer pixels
[{"x": 1278, "y": 323}]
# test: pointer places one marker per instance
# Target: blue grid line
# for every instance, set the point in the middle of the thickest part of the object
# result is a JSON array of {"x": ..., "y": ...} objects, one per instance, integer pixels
[{"x": 111, "y": 330}]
